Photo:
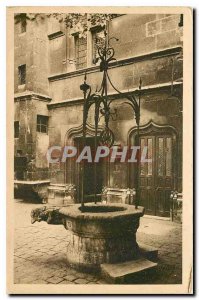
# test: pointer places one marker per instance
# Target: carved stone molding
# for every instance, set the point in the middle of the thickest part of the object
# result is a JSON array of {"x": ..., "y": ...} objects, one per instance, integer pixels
[
  {"x": 76, "y": 132},
  {"x": 153, "y": 128}
]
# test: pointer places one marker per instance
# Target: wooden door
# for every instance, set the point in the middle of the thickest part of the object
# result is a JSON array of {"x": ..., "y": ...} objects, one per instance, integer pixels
[
  {"x": 156, "y": 177},
  {"x": 89, "y": 173}
]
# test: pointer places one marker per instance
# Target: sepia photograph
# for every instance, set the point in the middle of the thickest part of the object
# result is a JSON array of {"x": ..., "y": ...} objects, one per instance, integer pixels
[{"x": 100, "y": 135}]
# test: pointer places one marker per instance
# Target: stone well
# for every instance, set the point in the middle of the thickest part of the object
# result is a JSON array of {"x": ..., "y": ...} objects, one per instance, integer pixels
[{"x": 100, "y": 234}]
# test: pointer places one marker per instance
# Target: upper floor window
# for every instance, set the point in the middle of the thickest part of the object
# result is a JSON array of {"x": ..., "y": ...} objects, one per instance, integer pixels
[
  {"x": 42, "y": 124},
  {"x": 21, "y": 20},
  {"x": 22, "y": 74},
  {"x": 16, "y": 129},
  {"x": 80, "y": 52},
  {"x": 86, "y": 48},
  {"x": 98, "y": 40},
  {"x": 180, "y": 24},
  {"x": 23, "y": 23}
]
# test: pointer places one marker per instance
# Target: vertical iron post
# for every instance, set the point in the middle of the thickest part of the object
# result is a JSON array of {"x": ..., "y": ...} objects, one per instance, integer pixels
[
  {"x": 82, "y": 168},
  {"x": 84, "y": 87},
  {"x": 138, "y": 142},
  {"x": 95, "y": 149}
]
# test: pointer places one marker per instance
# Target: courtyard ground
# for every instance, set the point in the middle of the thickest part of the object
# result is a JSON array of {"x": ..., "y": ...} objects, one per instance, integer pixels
[{"x": 39, "y": 252}]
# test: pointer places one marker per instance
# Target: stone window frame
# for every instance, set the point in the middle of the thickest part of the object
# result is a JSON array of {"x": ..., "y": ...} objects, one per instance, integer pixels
[
  {"x": 42, "y": 124},
  {"x": 77, "y": 40},
  {"x": 23, "y": 24},
  {"x": 90, "y": 59},
  {"x": 22, "y": 74}
]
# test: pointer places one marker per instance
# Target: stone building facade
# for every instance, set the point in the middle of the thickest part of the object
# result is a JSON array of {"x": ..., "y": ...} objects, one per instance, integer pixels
[{"x": 50, "y": 65}]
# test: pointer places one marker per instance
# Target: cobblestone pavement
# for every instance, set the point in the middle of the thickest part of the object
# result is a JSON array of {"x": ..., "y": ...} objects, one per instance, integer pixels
[{"x": 39, "y": 255}]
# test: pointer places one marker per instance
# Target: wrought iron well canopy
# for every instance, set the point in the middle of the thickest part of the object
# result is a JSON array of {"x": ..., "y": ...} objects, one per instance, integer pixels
[{"x": 102, "y": 105}]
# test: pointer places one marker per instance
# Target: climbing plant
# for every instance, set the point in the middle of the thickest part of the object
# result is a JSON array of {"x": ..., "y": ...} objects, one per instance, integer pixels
[{"x": 75, "y": 22}]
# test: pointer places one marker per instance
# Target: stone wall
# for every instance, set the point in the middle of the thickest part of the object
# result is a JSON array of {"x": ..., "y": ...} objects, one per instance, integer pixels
[
  {"x": 140, "y": 34},
  {"x": 148, "y": 47},
  {"x": 31, "y": 48},
  {"x": 157, "y": 106},
  {"x": 32, "y": 144},
  {"x": 154, "y": 70}
]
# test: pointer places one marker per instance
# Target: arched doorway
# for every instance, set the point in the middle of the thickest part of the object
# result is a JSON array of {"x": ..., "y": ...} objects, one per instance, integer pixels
[
  {"x": 156, "y": 179},
  {"x": 73, "y": 174}
]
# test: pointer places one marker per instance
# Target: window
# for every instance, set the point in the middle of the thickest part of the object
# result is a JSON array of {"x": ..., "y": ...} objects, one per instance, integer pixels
[
  {"x": 42, "y": 124},
  {"x": 98, "y": 40},
  {"x": 23, "y": 23},
  {"x": 180, "y": 24},
  {"x": 16, "y": 129},
  {"x": 81, "y": 52},
  {"x": 19, "y": 152},
  {"x": 22, "y": 74},
  {"x": 86, "y": 48}
]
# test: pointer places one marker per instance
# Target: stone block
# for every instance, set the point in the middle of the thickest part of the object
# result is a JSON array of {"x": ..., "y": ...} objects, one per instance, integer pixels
[
  {"x": 170, "y": 23},
  {"x": 61, "y": 194},
  {"x": 81, "y": 281},
  {"x": 153, "y": 28},
  {"x": 55, "y": 201},
  {"x": 119, "y": 272},
  {"x": 148, "y": 252},
  {"x": 168, "y": 39},
  {"x": 70, "y": 277},
  {"x": 54, "y": 280}
]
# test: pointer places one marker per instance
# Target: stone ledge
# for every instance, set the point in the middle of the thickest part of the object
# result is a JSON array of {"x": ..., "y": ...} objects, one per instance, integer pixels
[
  {"x": 74, "y": 212},
  {"x": 31, "y": 95},
  {"x": 28, "y": 189},
  {"x": 31, "y": 182},
  {"x": 121, "y": 62},
  {"x": 55, "y": 35},
  {"x": 117, "y": 273},
  {"x": 114, "y": 95},
  {"x": 149, "y": 252}
]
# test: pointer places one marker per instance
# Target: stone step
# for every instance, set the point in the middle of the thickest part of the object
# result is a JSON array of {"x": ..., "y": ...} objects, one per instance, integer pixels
[
  {"x": 148, "y": 252},
  {"x": 119, "y": 272}
]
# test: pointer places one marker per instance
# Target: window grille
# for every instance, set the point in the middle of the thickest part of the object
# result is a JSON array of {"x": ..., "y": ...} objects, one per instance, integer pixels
[
  {"x": 42, "y": 124},
  {"x": 81, "y": 52}
]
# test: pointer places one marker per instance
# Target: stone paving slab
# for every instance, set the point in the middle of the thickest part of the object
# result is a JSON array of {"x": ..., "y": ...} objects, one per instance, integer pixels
[{"x": 39, "y": 256}]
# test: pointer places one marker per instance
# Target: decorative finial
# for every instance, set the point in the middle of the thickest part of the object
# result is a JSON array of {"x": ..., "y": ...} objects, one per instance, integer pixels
[
  {"x": 85, "y": 77},
  {"x": 140, "y": 84},
  {"x": 84, "y": 87}
]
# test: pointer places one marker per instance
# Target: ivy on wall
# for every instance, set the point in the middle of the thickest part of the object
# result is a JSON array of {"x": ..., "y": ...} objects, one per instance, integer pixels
[{"x": 75, "y": 22}]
